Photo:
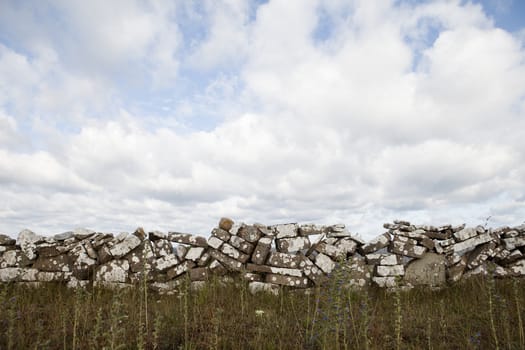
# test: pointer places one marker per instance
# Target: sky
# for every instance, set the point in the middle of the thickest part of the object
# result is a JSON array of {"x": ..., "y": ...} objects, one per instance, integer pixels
[{"x": 171, "y": 114}]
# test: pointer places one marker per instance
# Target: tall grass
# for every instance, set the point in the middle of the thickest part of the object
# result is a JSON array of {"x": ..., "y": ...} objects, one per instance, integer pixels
[{"x": 217, "y": 317}]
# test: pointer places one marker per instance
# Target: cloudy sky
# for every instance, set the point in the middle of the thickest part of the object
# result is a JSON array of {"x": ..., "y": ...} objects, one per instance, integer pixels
[{"x": 171, "y": 114}]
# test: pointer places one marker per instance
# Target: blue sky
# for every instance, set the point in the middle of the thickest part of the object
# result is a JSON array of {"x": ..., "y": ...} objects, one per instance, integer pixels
[{"x": 171, "y": 114}]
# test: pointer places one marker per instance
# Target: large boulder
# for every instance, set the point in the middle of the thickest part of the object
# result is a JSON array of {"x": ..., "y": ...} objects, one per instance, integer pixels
[{"x": 429, "y": 270}]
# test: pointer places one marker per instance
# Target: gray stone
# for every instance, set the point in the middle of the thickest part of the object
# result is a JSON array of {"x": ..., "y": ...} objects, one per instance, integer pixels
[
  {"x": 407, "y": 247},
  {"x": 518, "y": 268},
  {"x": 104, "y": 254},
  {"x": 480, "y": 254},
  {"x": 9, "y": 274},
  {"x": 187, "y": 238},
  {"x": 113, "y": 271},
  {"x": 262, "y": 249},
  {"x": 180, "y": 269},
  {"x": 122, "y": 248},
  {"x": 162, "y": 247},
  {"x": 232, "y": 252},
  {"x": 284, "y": 260},
  {"x": 199, "y": 274},
  {"x": 251, "y": 277},
  {"x": 286, "y": 230},
  {"x": 472, "y": 242},
  {"x": 194, "y": 253},
  {"x": 221, "y": 234},
  {"x": 261, "y": 287},
  {"x": 156, "y": 235},
  {"x": 454, "y": 273},
  {"x": 27, "y": 241},
  {"x": 292, "y": 245},
  {"x": 249, "y": 233},
  {"x": 181, "y": 251},
  {"x": 51, "y": 264},
  {"x": 513, "y": 242},
  {"x": 383, "y": 259},
  {"x": 324, "y": 263},
  {"x": 298, "y": 282},
  {"x": 391, "y": 270},
  {"x": 215, "y": 242},
  {"x": 83, "y": 233},
  {"x": 6, "y": 240},
  {"x": 385, "y": 282},
  {"x": 274, "y": 270},
  {"x": 228, "y": 262},
  {"x": 377, "y": 243},
  {"x": 330, "y": 250},
  {"x": 347, "y": 245},
  {"x": 310, "y": 229},
  {"x": 166, "y": 262},
  {"x": 429, "y": 270},
  {"x": 241, "y": 244}
]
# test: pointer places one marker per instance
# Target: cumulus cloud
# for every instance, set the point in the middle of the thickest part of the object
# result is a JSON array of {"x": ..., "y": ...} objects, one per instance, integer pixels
[{"x": 326, "y": 111}]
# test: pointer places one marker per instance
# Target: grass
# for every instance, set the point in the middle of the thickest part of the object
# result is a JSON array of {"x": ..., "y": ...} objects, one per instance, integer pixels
[{"x": 475, "y": 314}]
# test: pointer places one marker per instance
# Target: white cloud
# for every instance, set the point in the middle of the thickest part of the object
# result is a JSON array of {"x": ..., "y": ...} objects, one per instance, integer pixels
[{"x": 398, "y": 111}]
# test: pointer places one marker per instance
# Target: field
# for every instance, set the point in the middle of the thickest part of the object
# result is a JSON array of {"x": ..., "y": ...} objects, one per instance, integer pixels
[{"x": 475, "y": 314}]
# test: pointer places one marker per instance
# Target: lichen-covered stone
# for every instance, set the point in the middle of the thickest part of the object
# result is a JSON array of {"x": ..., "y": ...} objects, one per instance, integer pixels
[
  {"x": 27, "y": 240},
  {"x": 292, "y": 281},
  {"x": 262, "y": 287},
  {"x": 390, "y": 270},
  {"x": 199, "y": 274},
  {"x": 166, "y": 262},
  {"x": 162, "y": 247},
  {"x": 374, "y": 245},
  {"x": 54, "y": 263},
  {"x": 249, "y": 233},
  {"x": 194, "y": 253},
  {"x": 293, "y": 245},
  {"x": 180, "y": 269},
  {"x": 189, "y": 239},
  {"x": 241, "y": 244},
  {"x": 228, "y": 262},
  {"x": 284, "y": 260},
  {"x": 274, "y": 270},
  {"x": 262, "y": 249},
  {"x": 125, "y": 246},
  {"x": 429, "y": 270},
  {"x": 113, "y": 271},
  {"x": 324, "y": 263},
  {"x": 286, "y": 230},
  {"x": 232, "y": 252},
  {"x": 472, "y": 242},
  {"x": 6, "y": 240}
]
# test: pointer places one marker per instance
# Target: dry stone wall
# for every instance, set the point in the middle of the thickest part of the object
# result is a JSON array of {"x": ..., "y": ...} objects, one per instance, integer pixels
[{"x": 292, "y": 255}]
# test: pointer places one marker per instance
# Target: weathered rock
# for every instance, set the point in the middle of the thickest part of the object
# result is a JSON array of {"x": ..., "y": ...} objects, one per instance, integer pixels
[
  {"x": 292, "y": 245},
  {"x": 9, "y": 274},
  {"x": 468, "y": 232},
  {"x": 162, "y": 247},
  {"x": 383, "y": 259},
  {"x": 284, "y": 260},
  {"x": 140, "y": 233},
  {"x": 374, "y": 245},
  {"x": 286, "y": 230},
  {"x": 187, "y": 238},
  {"x": 217, "y": 268},
  {"x": 513, "y": 242},
  {"x": 518, "y": 268},
  {"x": 204, "y": 259},
  {"x": 298, "y": 282},
  {"x": 480, "y": 254},
  {"x": 83, "y": 233},
  {"x": 215, "y": 242},
  {"x": 241, "y": 244},
  {"x": 407, "y": 247},
  {"x": 12, "y": 258},
  {"x": 27, "y": 240},
  {"x": 125, "y": 246},
  {"x": 166, "y": 262},
  {"x": 391, "y": 270},
  {"x": 262, "y": 249},
  {"x": 261, "y": 287},
  {"x": 113, "y": 271},
  {"x": 194, "y": 253},
  {"x": 357, "y": 272},
  {"x": 251, "y": 277},
  {"x": 181, "y": 251},
  {"x": 249, "y": 233},
  {"x": 104, "y": 255},
  {"x": 199, "y": 274},
  {"x": 330, "y": 250},
  {"x": 6, "y": 240},
  {"x": 274, "y": 270},
  {"x": 311, "y": 229},
  {"x": 324, "y": 263},
  {"x": 221, "y": 234},
  {"x": 347, "y": 245},
  {"x": 232, "y": 252},
  {"x": 141, "y": 258},
  {"x": 429, "y": 270},
  {"x": 336, "y": 231},
  {"x": 156, "y": 235},
  {"x": 454, "y": 273},
  {"x": 51, "y": 264},
  {"x": 472, "y": 242},
  {"x": 229, "y": 263},
  {"x": 225, "y": 224},
  {"x": 180, "y": 269}
]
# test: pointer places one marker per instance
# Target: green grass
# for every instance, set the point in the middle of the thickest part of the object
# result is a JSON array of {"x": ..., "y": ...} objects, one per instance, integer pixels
[{"x": 475, "y": 314}]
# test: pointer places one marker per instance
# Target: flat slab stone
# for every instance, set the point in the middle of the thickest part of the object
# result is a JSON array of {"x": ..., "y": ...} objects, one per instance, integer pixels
[
  {"x": 383, "y": 259},
  {"x": 59, "y": 263},
  {"x": 385, "y": 282},
  {"x": 27, "y": 241},
  {"x": 221, "y": 234},
  {"x": 468, "y": 232},
  {"x": 311, "y": 229},
  {"x": 6, "y": 240},
  {"x": 514, "y": 242},
  {"x": 215, "y": 242},
  {"x": 125, "y": 246},
  {"x": 330, "y": 250},
  {"x": 274, "y": 270},
  {"x": 262, "y": 249},
  {"x": 166, "y": 262},
  {"x": 347, "y": 245},
  {"x": 199, "y": 274},
  {"x": 10, "y": 274},
  {"x": 286, "y": 230},
  {"x": 228, "y": 262},
  {"x": 391, "y": 270},
  {"x": 284, "y": 260},
  {"x": 298, "y": 282},
  {"x": 180, "y": 269},
  {"x": 472, "y": 242},
  {"x": 194, "y": 253},
  {"x": 187, "y": 238},
  {"x": 241, "y": 244},
  {"x": 324, "y": 263},
  {"x": 293, "y": 244},
  {"x": 234, "y": 253},
  {"x": 377, "y": 243}
]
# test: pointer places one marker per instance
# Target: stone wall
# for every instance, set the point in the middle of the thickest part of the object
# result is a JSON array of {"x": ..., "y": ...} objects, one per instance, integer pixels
[{"x": 293, "y": 255}]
